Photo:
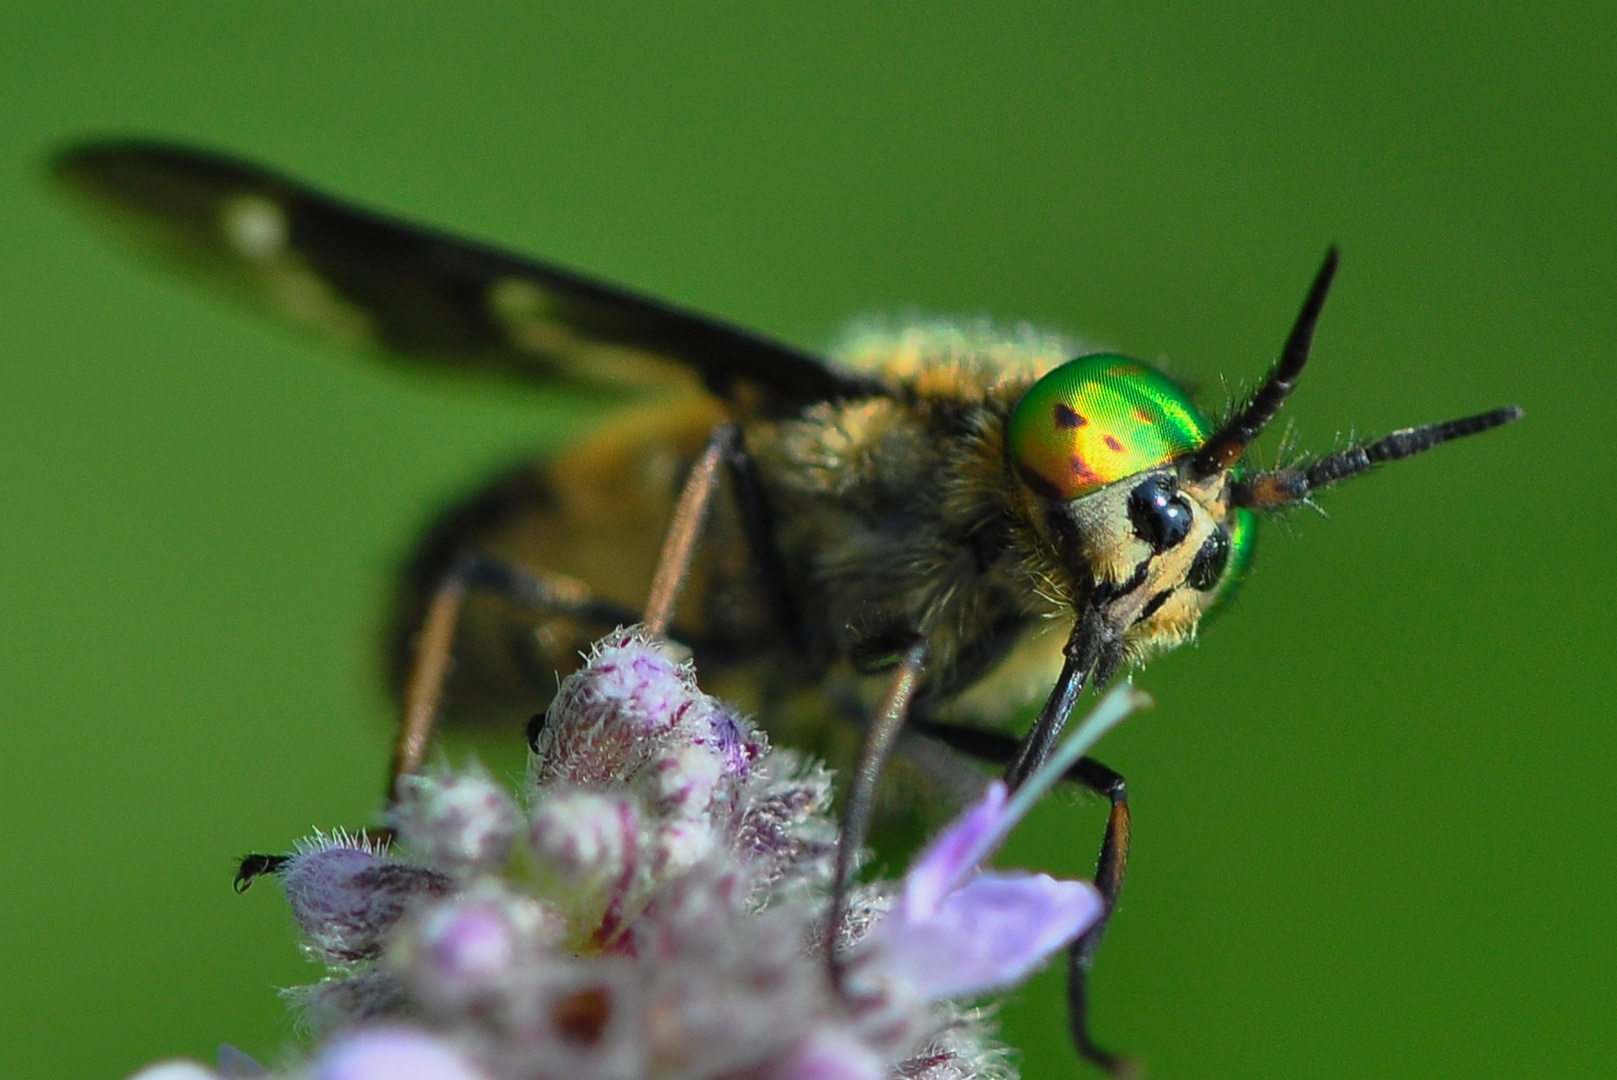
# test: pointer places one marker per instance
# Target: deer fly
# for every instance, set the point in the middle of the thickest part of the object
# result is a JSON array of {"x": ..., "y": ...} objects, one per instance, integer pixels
[{"x": 942, "y": 525}]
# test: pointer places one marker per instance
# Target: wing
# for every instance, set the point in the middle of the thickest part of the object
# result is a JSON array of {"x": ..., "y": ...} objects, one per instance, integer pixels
[{"x": 419, "y": 295}]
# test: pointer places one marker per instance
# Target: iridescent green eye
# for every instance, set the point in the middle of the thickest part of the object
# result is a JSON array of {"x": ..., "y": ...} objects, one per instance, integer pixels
[
  {"x": 1243, "y": 539},
  {"x": 1097, "y": 419}
]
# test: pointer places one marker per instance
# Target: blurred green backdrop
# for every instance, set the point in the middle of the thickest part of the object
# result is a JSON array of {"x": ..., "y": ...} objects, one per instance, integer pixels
[{"x": 1374, "y": 805}]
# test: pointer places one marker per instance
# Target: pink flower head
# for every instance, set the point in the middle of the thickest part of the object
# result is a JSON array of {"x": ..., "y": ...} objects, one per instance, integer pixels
[{"x": 644, "y": 912}]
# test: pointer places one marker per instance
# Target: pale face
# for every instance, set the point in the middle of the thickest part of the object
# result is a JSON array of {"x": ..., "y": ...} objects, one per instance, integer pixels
[{"x": 1159, "y": 549}]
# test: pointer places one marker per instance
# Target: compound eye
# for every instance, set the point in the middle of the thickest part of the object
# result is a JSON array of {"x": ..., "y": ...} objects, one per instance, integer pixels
[
  {"x": 1096, "y": 420},
  {"x": 1208, "y": 566},
  {"x": 1160, "y": 515}
]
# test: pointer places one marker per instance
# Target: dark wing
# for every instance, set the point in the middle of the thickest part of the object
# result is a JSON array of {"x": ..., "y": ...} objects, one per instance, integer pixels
[{"x": 366, "y": 280}]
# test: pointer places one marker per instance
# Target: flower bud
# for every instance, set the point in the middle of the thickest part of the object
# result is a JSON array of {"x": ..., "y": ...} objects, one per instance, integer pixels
[
  {"x": 584, "y": 838},
  {"x": 683, "y": 782},
  {"x": 346, "y": 897},
  {"x": 608, "y": 717},
  {"x": 680, "y": 846},
  {"x": 475, "y": 948},
  {"x": 459, "y": 822}
]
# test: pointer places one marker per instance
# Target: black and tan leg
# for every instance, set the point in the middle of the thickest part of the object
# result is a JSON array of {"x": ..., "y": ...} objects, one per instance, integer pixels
[
  {"x": 559, "y": 595},
  {"x": 1001, "y": 749},
  {"x": 1110, "y": 867},
  {"x": 690, "y": 514},
  {"x": 470, "y": 571},
  {"x": 758, "y": 527},
  {"x": 725, "y": 449}
]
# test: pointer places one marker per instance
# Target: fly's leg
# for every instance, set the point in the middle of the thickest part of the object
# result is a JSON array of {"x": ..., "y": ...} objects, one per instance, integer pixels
[
  {"x": 429, "y": 668},
  {"x": 725, "y": 447},
  {"x": 873, "y": 755},
  {"x": 425, "y": 687},
  {"x": 472, "y": 570},
  {"x": 564, "y": 596},
  {"x": 679, "y": 546},
  {"x": 1109, "y": 869},
  {"x": 758, "y": 527},
  {"x": 1001, "y": 749}
]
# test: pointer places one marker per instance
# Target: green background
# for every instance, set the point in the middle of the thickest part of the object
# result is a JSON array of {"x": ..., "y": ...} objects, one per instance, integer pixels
[{"x": 1373, "y": 806}]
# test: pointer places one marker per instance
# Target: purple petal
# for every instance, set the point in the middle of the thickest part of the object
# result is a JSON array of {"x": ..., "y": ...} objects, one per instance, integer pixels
[
  {"x": 234, "y": 1064},
  {"x": 987, "y": 934},
  {"x": 954, "y": 854},
  {"x": 394, "y": 1054}
]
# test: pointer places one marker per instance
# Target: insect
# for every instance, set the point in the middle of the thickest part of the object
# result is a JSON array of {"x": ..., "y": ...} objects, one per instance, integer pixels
[{"x": 945, "y": 526}]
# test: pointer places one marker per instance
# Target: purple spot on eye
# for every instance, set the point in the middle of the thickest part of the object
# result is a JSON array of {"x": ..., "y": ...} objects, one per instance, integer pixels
[
  {"x": 1113, "y": 445},
  {"x": 1082, "y": 472},
  {"x": 1066, "y": 418}
]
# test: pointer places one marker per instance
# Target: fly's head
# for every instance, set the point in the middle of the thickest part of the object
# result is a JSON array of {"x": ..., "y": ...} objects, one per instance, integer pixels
[
  {"x": 1144, "y": 546},
  {"x": 1142, "y": 509}
]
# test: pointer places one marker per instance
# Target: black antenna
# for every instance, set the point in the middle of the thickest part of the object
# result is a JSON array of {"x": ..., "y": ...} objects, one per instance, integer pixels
[
  {"x": 1230, "y": 442},
  {"x": 1283, "y": 487}
]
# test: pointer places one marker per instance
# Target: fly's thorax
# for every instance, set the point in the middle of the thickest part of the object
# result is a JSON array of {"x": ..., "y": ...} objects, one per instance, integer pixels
[
  {"x": 851, "y": 486},
  {"x": 966, "y": 359},
  {"x": 890, "y": 518}
]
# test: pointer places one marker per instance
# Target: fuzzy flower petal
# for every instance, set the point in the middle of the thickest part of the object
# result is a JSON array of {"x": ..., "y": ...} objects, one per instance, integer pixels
[
  {"x": 956, "y": 853},
  {"x": 463, "y": 821},
  {"x": 956, "y": 931},
  {"x": 347, "y": 896},
  {"x": 989, "y": 933}
]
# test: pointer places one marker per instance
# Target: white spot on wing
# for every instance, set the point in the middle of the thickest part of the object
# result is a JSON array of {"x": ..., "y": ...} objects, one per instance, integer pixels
[{"x": 253, "y": 226}]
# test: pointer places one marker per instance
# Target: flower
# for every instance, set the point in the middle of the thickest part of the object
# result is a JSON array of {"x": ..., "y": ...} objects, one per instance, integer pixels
[
  {"x": 957, "y": 931},
  {"x": 654, "y": 905},
  {"x": 347, "y": 894}
]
